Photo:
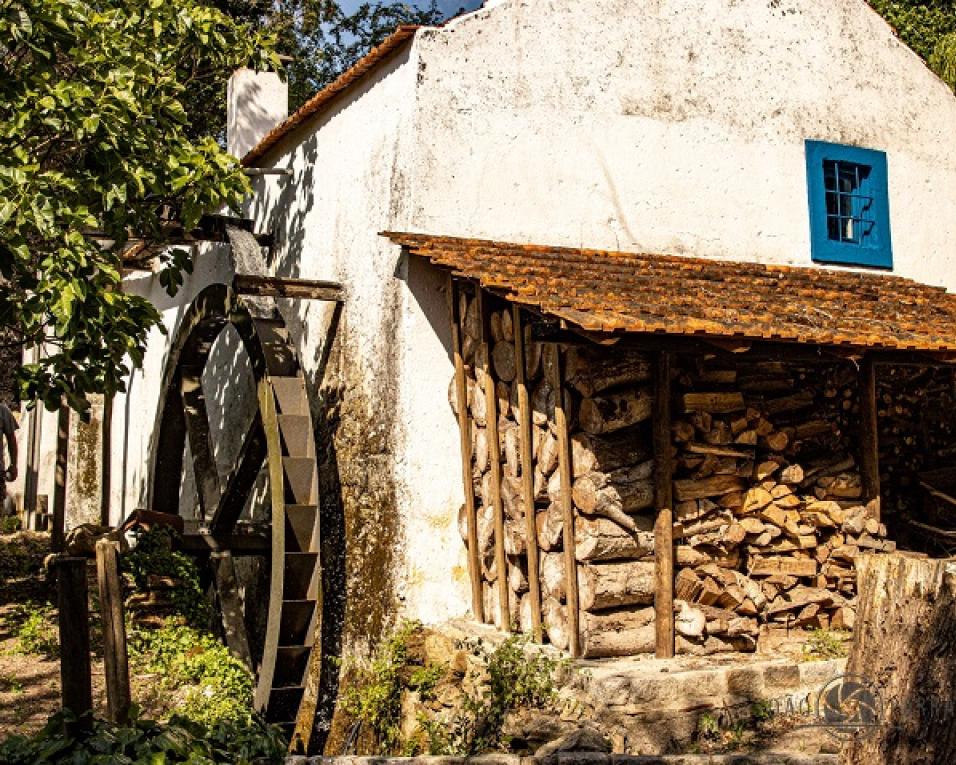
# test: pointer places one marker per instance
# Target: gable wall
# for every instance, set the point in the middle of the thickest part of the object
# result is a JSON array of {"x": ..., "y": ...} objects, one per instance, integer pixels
[{"x": 655, "y": 127}]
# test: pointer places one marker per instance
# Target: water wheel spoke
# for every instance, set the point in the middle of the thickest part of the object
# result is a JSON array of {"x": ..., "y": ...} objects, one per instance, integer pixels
[
  {"x": 205, "y": 471},
  {"x": 241, "y": 479},
  {"x": 230, "y": 604}
]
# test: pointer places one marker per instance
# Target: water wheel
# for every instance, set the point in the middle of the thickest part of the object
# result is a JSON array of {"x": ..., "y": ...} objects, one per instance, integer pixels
[{"x": 280, "y": 441}]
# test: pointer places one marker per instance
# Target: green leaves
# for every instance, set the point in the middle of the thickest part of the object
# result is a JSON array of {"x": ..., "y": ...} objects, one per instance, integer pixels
[
  {"x": 928, "y": 27},
  {"x": 98, "y": 144}
]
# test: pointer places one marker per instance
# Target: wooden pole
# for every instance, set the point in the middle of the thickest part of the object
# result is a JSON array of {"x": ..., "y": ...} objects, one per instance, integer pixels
[
  {"x": 464, "y": 430},
  {"x": 869, "y": 432},
  {"x": 106, "y": 459},
  {"x": 555, "y": 377},
  {"x": 74, "y": 617},
  {"x": 59, "y": 489},
  {"x": 115, "y": 656},
  {"x": 664, "y": 523},
  {"x": 494, "y": 460},
  {"x": 527, "y": 476}
]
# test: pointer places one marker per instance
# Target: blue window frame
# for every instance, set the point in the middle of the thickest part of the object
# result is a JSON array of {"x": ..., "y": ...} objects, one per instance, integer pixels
[{"x": 849, "y": 205}]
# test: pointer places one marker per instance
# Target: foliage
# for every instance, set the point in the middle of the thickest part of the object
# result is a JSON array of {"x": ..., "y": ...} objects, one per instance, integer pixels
[
  {"x": 708, "y": 726},
  {"x": 96, "y": 151},
  {"x": 323, "y": 40},
  {"x": 375, "y": 695},
  {"x": 761, "y": 711},
  {"x": 144, "y": 741},
  {"x": 9, "y": 524},
  {"x": 512, "y": 678},
  {"x": 35, "y": 629},
  {"x": 21, "y": 556},
  {"x": 928, "y": 27},
  {"x": 825, "y": 644},
  {"x": 154, "y": 554},
  {"x": 217, "y": 686}
]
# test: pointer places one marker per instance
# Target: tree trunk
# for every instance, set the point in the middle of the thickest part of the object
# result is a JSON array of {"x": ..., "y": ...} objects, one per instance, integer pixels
[{"x": 905, "y": 643}]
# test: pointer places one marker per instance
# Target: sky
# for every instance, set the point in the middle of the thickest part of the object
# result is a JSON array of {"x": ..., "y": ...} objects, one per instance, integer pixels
[{"x": 447, "y": 7}]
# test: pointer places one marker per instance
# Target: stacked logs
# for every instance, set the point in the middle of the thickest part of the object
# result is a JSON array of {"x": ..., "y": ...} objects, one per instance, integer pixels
[
  {"x": 769, "y": 507},
  {"x": 769, "y": 513},
  {"x": 916, "y": 407},
  {"x": 497, "y": 356}
]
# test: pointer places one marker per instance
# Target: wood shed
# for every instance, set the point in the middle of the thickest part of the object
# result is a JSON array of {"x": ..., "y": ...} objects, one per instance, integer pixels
[{"x": 672, "y": 454}]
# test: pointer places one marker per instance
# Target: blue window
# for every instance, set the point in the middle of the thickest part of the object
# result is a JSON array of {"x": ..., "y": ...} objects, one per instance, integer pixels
[{"x": 849, "y": 205}]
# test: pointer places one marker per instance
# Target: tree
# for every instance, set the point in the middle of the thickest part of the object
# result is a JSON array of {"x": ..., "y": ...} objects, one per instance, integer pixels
[
  {"x": 928, "y": 27},
  {"x": 98, "y": 148}
]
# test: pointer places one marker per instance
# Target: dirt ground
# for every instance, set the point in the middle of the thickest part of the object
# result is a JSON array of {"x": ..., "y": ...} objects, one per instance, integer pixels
[{"x": 29, "y": 682}]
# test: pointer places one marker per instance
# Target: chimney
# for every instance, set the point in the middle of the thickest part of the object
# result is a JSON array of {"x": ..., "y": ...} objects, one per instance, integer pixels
[{"x": 257, "y": 102}]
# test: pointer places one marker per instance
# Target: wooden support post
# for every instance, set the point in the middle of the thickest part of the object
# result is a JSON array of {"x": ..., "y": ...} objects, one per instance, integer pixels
[
  {"x": 869, "y": 432},
  {"x": 115, "y": 656},
  {"x": 494, "y": 463},
  {"x": 664, "y": 523},
  {"x": 58, "y": 539},
  {"x": 106, "y": 460},
  {"x": 464, "y": 430},
  {"x": 74, "y": 616},
  {"x": 555, "y": 378},
  {"x": 527, "y": 476}
]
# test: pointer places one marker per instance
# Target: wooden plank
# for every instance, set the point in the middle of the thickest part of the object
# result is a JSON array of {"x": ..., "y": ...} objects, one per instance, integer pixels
[
  {"x": 115, "y": 655},
  {"x": 287, "y": 287},
  {"x": 567, "y": 508},
  {"x": 527, "y": 475},
  {"x": 59, "y": 486},
  {"x": 464, "y": 432},
  {"x": 869, "y": 432},
  {"x": 494, "y": 459},
  {"x": 76, "y": 688},
  {"x": 664, "y": 523}
]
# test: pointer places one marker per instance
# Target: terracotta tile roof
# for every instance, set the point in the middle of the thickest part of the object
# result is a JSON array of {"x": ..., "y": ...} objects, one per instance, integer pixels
[
  {"x": 603, "y": 291},
  {"x": 364, "y": 65}
]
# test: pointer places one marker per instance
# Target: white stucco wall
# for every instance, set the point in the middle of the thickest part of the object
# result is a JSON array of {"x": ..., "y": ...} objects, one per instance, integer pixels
[
  {"x": 661, "y": 127},
  {"x": 646, "y": 126}
]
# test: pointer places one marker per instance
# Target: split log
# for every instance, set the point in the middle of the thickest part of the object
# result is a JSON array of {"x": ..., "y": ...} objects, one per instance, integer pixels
[
  {"x": 592, "y": 371},
  {"x": 601, "y": 539},
  {"x": 548, "y": 453},
  {"x": 503, "y": 360},
  {"x": 604, "y": 414},
  {"x": 713, "y": 403},
  {"x": 610, "y": 585},
  {"x": 616, "y": 493},
  {"x": 550, "y": 525},
  {"x": 707, "y": 487},
  {"x": 609, "y": 452}
]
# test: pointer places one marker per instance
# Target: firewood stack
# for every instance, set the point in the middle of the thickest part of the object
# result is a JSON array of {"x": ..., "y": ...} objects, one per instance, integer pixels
[
  {"x": 917, "y": 420},
  {"x": 768, "y": 498},
  {"x": 768, "y": 495}
]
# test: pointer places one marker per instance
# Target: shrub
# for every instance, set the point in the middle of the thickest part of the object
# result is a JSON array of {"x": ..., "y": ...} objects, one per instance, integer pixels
[
  {"x": 144, "y": 741},
  {"x": 216, "y": 686},
  {"x": 35, "y": 629}
]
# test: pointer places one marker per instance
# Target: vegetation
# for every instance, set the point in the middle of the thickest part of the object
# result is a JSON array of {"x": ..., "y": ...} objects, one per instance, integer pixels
[
  {"x": 97, "y": 150},
  {"x": 34, "y": 627},
  {"x": 197, "y": 676},
  {"x": 826, "y": 644},
  {"x": 928, "y": 27},
  {"x": 143, "y": 741},
  {"x": 505, "y": 679},
  {"x": 154, "y": 556}
]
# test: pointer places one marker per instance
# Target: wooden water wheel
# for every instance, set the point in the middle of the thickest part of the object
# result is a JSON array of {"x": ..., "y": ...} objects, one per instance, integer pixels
[{"x": 280, "y": 439}]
